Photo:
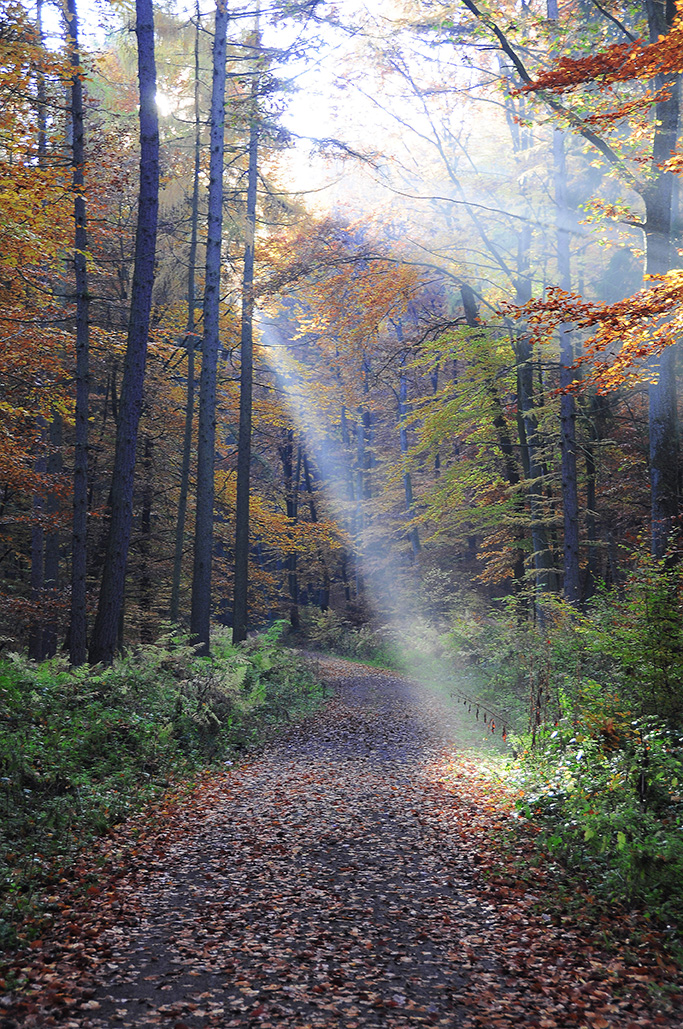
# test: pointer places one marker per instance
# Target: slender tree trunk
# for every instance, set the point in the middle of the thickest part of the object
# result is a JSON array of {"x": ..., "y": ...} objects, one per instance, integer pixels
[
  {"x": 35, "y": 642},
  {"x": 570, "y": 498},
  {"x": 145, "y": 594},
  {"x": 190, "y": 340},
  {"x": 46, "y": 546},
  {"x": 413, "y": 534},
  {"x": 360, "y": 510},
  {"x": 291, "y": 483},
  {"x": 434, "y": 379},
  {"x": 324, "y": 596},
  {"x": 51, "y": 576},
  {"x": 529, "y": 436},
  {"x": 240, "y": 608},
  {"x": 505, "y": 443},
  {"x": 78, "y": 614},
  {"x": 591, "y": 530},
  {"x": 659, "y": 210},
  {"x": 663, "y": 414},
  {"x": 351, "y": 498},
  {"x": 41, "y": 89},
  {"x": 104, "y": 639},
  {"x": 200, "y": 620}
]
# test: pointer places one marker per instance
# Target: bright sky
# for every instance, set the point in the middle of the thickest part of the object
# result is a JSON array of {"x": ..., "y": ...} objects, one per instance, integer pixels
[{"x": 357, "y": 114}]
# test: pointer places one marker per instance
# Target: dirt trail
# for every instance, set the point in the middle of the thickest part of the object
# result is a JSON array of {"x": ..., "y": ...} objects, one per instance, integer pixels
[{"x": 330, "y": 881}]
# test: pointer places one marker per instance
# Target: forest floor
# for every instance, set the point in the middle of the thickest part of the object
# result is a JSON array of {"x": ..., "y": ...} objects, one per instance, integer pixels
[{"x": 356, "y": 872}]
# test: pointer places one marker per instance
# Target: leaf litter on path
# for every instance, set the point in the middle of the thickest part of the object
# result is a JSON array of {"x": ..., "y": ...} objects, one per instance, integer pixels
[{"x": 348, "y": 875}]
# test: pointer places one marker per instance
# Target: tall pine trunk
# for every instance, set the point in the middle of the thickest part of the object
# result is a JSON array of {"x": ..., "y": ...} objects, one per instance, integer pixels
[
  {"x": 570, "y": 499},
  {"x": 240, "y": 606},
  {"x": 78, "y": 614},
  {"x": 200, "y": 619},
  {"x": 36, "y": 641},
  {"x": 190, "y": 347},
  {"x": 104, "y": 639}
]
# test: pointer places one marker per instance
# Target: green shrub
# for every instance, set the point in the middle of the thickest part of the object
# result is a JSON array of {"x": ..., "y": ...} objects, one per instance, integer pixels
[
  {"x": 330, "y": 632},
  {"x": 608, "y": 790},
  {"x": 596, "y": 699},
  {"x": 81, "y": 748}
]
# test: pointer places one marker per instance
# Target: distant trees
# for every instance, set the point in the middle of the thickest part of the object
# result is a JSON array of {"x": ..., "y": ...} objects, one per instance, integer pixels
[
  {"x": 383, "y": 397},
  {"x": 657, "y": 64}
]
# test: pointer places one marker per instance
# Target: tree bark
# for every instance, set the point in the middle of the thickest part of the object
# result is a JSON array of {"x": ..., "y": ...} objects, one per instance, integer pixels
[
  {"x": 190, "y": 340},
  {"x": 145, "y": 592},
  {"x": 570, "y": 498},
  {"x": 544, "y": 572},
  {"x": 51, "y": 576},
  {"x": 35, "y": 641},
  {"x": 240, "y": 607},
  {"x": 200, "y": 619},
  {"x": 504, "y": 440},
  {"x": 659, "y": 210},
  {"x": 413, "y": 534},
  {"x": 35, "y": 645},
  {"x": 324, "y": 595},
  {"x": 291, "y": 484},
  {"x": 104, "y": 639},
  {"x": 78, "y": 613}
]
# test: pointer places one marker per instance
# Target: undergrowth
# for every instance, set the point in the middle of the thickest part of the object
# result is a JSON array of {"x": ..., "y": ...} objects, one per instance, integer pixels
[
  {"x": 334, "y": 634},
  {"x": 592, "y": 703},
  {"x": 599, "y": 741},
  {"x": 82, "y": 748}
]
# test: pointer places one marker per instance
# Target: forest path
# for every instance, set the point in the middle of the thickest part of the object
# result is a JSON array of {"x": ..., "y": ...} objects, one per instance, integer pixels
[{"x": 332, "y": 880}]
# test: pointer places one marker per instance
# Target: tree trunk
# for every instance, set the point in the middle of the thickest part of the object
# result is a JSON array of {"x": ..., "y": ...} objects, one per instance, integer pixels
[
  {"x": 291, "y": 484},
  {"x": 35, "y": 642},
  {"x": 324, "y": 595},
  {"x": 570, "y": 499},
  {"x": 659, "y": 210},
  {"x": 240, "y": 607},
  {"x": 51, "y": 576},
  {"x": 146, "y": 631},
  {"x": 351, "y": 508},
  {"x": 78, "y": 614},
  {"x": 543, "y": 561},
  {"x": 413, "y": 534},
  {"x": 504, "y": 440},
  {"x": 200, "y": 619},
  {"x": 190, "y": 340},
  {"x": 104, "y": 639}
]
